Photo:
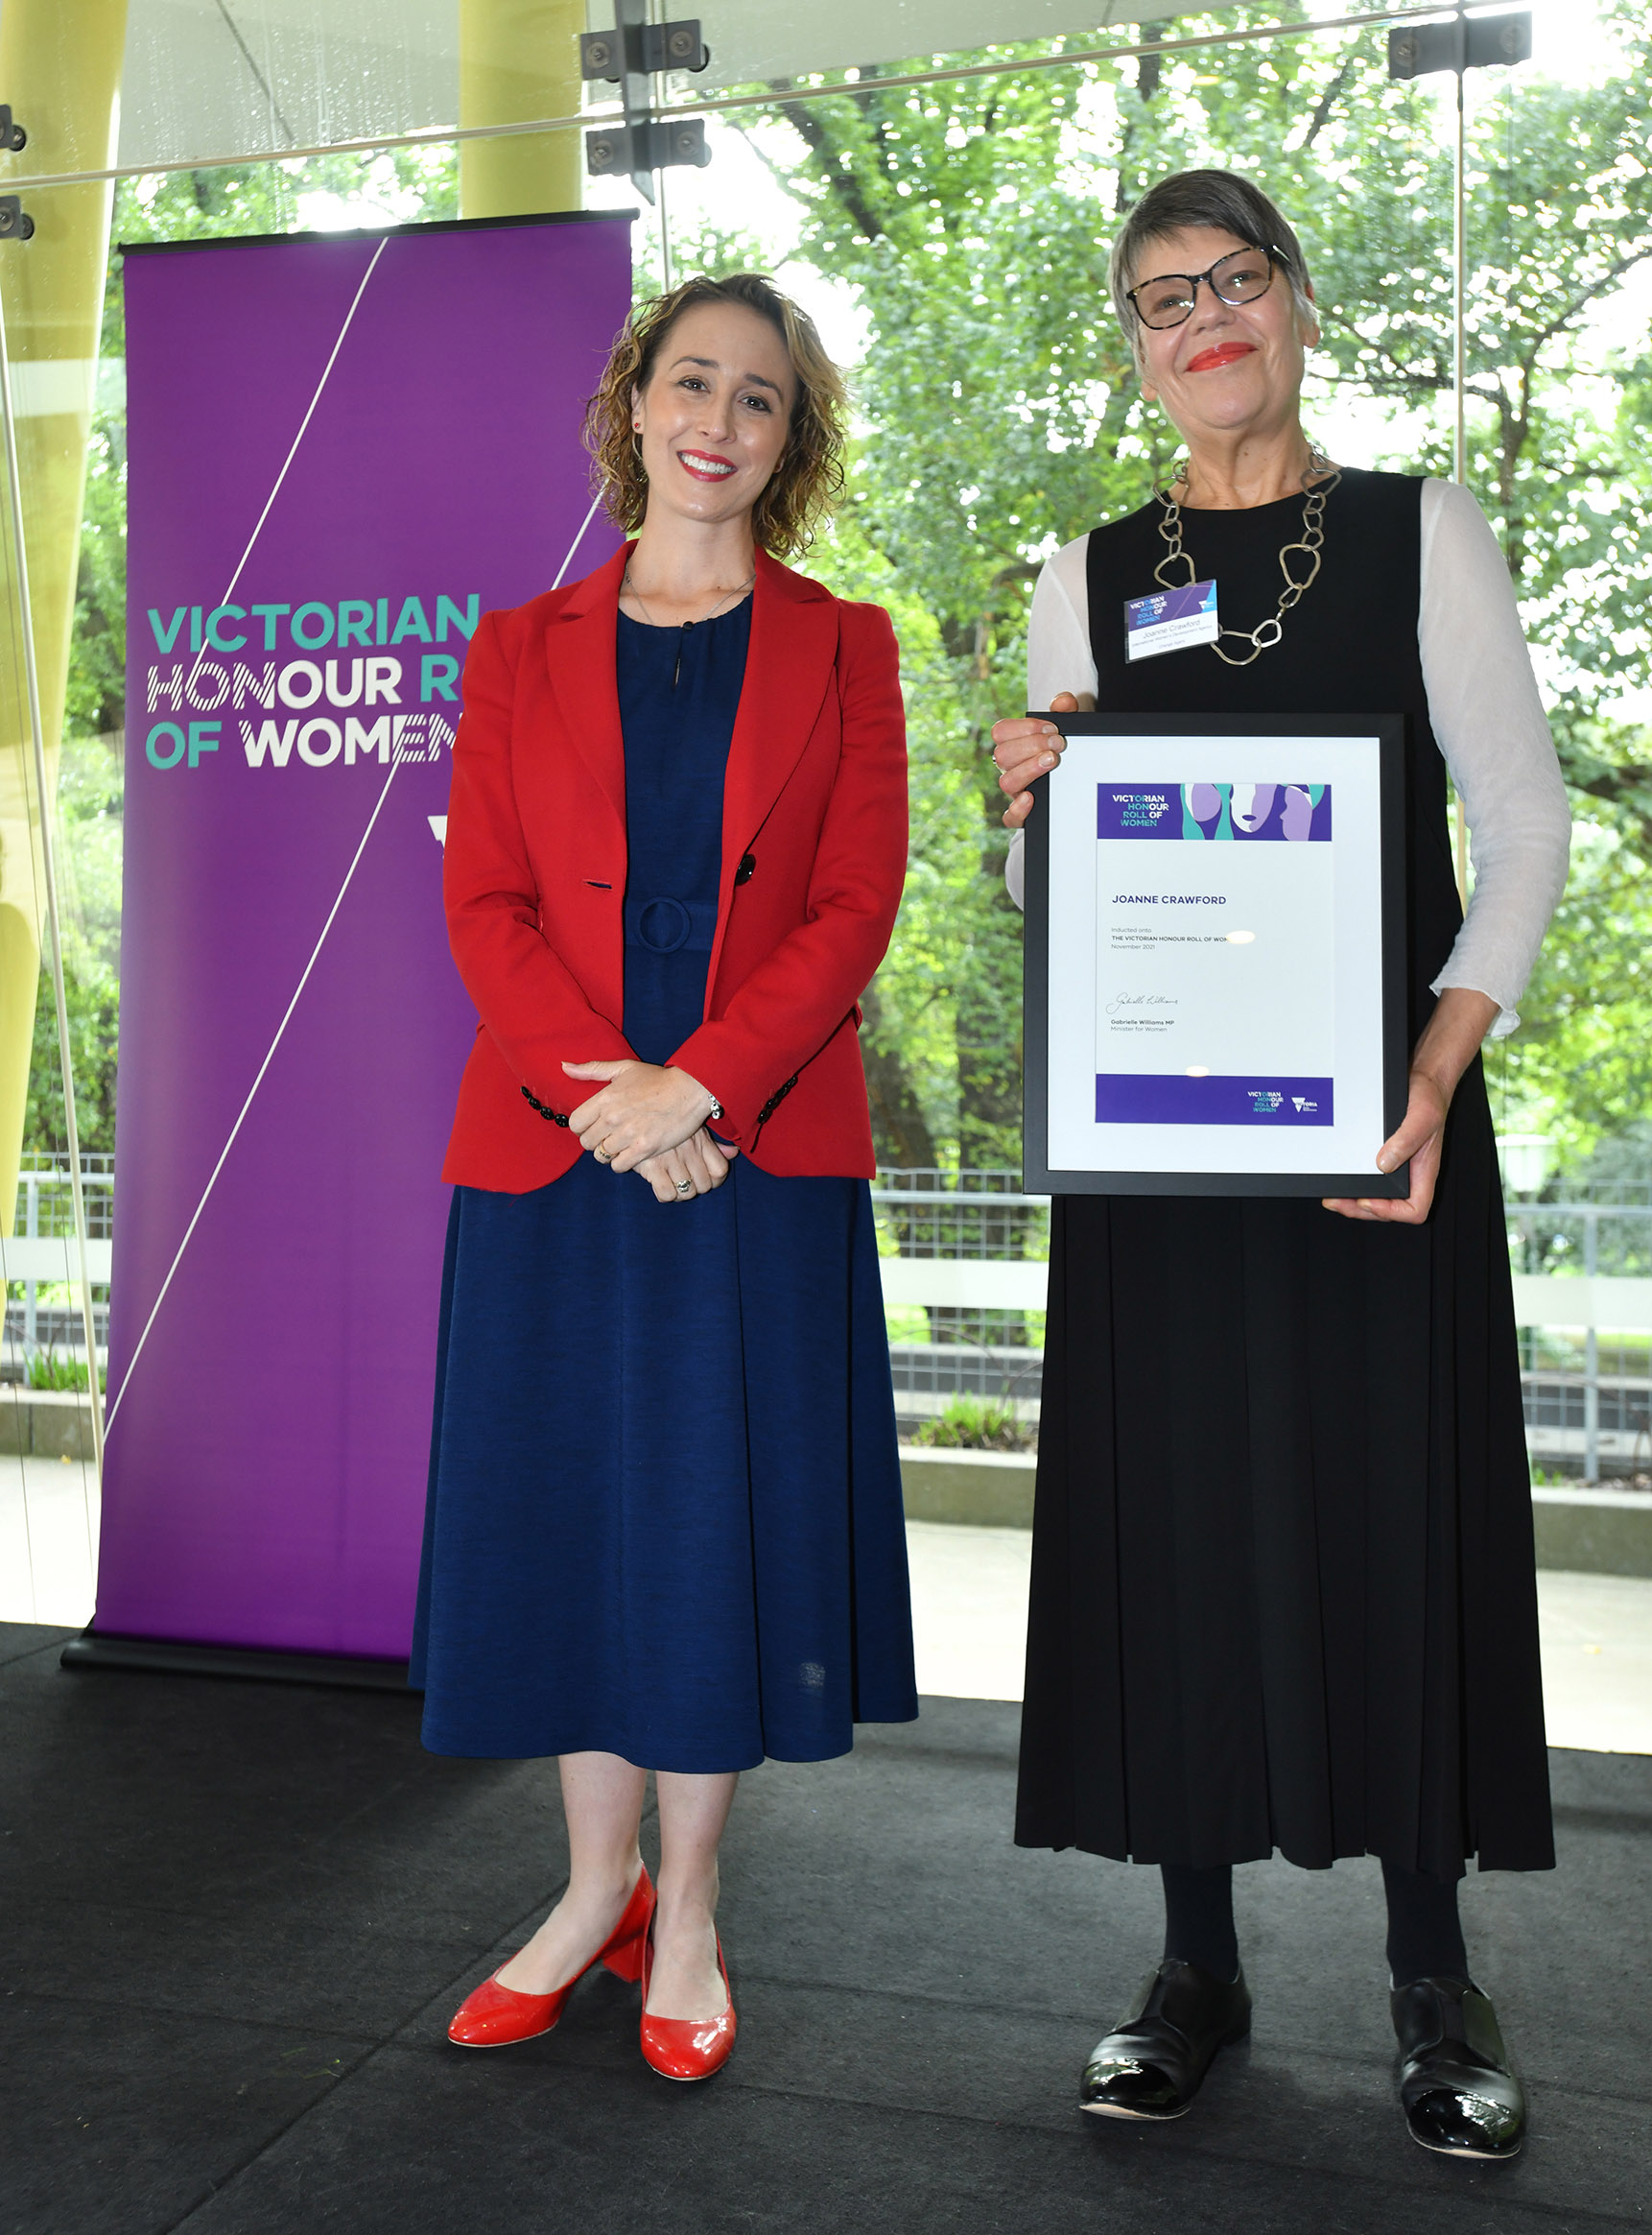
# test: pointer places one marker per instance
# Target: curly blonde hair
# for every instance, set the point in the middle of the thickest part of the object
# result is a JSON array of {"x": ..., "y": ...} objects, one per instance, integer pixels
[{"x": 810, "y": 474}]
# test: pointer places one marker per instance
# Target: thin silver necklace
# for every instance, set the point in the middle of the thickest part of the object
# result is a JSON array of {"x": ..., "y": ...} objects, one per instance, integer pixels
[
  {"x": 728, "y": 598},
  {"x": 1268, "y": 633}
]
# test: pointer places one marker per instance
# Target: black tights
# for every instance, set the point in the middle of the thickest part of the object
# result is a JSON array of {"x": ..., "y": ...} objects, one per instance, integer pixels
[{"x": 1425, "y": 1936}]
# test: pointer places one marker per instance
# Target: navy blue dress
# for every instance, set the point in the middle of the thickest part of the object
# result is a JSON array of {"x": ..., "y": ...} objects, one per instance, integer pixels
[{"x": 664, "y": 1518}]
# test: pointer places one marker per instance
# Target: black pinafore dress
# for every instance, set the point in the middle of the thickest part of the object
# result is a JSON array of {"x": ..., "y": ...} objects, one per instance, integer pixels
[{"x": 1284, "y": 1593}]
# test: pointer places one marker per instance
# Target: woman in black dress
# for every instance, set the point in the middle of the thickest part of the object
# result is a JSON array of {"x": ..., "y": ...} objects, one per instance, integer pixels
[{"x": 1284, "y": 1590}]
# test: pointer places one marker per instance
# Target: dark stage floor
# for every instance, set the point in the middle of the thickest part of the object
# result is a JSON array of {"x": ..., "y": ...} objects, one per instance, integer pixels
[{"x": 239, "y": 1915}]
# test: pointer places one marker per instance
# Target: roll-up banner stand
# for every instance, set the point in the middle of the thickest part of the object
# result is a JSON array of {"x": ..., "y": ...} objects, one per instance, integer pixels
[{"x": 342, "y": 450}]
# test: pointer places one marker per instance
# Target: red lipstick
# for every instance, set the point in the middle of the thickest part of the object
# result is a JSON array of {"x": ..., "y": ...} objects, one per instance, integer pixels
[
  {"x": 705, "y": 464},
  {"x": 1224, "y": 353}
]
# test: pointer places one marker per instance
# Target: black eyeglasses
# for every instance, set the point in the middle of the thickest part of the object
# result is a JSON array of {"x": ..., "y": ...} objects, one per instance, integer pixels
[{"x": 1170, "y": 299}]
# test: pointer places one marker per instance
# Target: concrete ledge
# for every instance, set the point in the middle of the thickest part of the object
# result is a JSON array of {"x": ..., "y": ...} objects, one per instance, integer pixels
[
  {"x": 45, "y": 1424},
  {"x": 1595, "y": 1530},
  {"x": 992, "y": 1489}
]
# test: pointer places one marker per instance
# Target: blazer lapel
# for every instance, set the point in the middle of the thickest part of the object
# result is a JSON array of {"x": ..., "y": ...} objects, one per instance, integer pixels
[
  {"x": 580, "y": 660},
  {"x": 788, "y": 668}
]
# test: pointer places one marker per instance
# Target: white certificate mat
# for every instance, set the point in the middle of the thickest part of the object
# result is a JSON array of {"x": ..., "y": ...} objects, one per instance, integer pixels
[{"x": 1215, "y": 948}]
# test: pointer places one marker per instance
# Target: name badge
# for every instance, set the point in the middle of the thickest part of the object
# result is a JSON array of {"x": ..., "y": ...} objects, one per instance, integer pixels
[{"x": 1169, "y": 619}]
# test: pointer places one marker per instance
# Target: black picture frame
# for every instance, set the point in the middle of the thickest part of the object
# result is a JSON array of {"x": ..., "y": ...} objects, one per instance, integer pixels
[{"x": 1039, "y": 1176}]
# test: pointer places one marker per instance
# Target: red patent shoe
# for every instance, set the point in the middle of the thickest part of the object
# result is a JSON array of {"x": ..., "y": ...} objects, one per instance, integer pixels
[
  {"x": 685, "y": 2048},
  {"x": 494, "y": 2015}
]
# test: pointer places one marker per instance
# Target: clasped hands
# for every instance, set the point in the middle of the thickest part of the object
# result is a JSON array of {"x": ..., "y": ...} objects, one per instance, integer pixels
[
  {"x": 1028, "y": 749},
  {"x": 649, "y": 1118}
]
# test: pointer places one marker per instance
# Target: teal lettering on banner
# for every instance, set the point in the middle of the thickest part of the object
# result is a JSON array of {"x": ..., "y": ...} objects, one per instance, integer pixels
[
  {"x": 195, "y": 644},
  {"x": 465, "y": 623},
  {"x": 203, "y": 738},
  {"x": 224, "y": 643},
  {"x": 323, "y": 620},
  {"x": 270, "y": 614},
  {"x": 180, "y": 745},
  {"x": 411, "y": 622},
  {"x": 437, "y": 675},
  {"x": 355, "y": 619},
  {"x": 166, "y": 636}
]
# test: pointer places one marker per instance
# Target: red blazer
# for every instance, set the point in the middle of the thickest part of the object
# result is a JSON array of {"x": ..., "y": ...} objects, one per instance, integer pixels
[{"x": 533, "y": 878}]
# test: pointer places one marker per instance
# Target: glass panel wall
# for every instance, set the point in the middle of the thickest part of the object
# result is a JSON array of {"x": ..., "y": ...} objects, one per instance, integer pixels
[
  {"x": 1559, "y": 417},
  {"x": 950, "y": 238},
  {"x": 48, "y": 1482},
  {"x": 202, "y": 78},
  {"x": 753, "y": 42},
  {"x": 954, "y": 237}
]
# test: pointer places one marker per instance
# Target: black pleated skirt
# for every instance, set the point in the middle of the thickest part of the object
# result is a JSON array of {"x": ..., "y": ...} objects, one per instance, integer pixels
[{"x": 1283, "y": 1592}]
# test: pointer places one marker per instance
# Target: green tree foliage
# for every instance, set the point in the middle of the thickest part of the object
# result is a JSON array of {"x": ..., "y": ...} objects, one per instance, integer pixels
[
  {"x": 1000, "y": 416},
  {"x": 972, "y": 220},
  {"x": 1581, "y": 1065},
  {"x": 94, "y": 1024},
  {"x": 89, "y": 832},
  {"x": 96, "y": 699}
]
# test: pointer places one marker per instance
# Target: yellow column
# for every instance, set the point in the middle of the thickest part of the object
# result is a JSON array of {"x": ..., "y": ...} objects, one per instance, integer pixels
[
  {"x": 60, "y": 70},
  {"x": 519, "y": 60}
]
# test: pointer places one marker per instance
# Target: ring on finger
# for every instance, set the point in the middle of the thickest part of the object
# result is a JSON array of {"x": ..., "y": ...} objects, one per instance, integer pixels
[
  {"x": 683, "y": 1187},
  {"x": 600, "y": 1151}
]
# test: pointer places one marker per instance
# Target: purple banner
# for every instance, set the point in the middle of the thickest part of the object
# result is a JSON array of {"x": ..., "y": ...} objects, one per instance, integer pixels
[
  {"x": 342, "y": 450},
  {"x": 1178, "y": 1097},
  {"x": 1291, "y": 813}
]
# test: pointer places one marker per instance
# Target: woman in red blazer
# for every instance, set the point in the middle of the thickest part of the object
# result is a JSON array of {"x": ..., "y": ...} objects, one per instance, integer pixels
[{"x": 664, "y": 1528}]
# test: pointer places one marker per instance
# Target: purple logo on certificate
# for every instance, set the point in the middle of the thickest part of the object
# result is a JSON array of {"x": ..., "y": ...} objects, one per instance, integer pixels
[
  {"x": 1124, "y": 1098},
  {"x": 1298, "y": 814}
]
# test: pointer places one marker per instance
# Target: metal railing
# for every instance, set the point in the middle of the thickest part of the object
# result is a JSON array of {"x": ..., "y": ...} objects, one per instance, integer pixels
[
  {"x": 43, "y": 1195},
  {"x": 44, "y": 1211},
  {"x": 973, "y": 1217},
  {"x": 932, "y": 1213},
  {"x": 1568, "y": 1397},
  {"x": 965, "y": 1246},
  {"x": 1583, "y": 1296},
  {"x": 1568, "y": 1236}
]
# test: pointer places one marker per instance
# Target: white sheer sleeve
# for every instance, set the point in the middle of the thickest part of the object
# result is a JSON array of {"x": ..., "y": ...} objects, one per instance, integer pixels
[
  {"x": 1058, "y": 658},
  {"x": 1486, "y": 713}
]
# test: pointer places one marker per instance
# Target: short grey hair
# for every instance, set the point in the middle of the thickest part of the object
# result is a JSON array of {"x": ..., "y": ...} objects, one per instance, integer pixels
[{"x": 1221, "y": 201}]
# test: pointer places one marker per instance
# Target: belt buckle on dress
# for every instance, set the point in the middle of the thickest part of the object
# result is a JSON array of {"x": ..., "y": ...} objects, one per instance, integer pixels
[{"x": 678, "y": 916}]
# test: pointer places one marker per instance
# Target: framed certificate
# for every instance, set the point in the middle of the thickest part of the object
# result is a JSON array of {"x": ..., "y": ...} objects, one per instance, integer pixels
[{"x": 1217, "y": 957}]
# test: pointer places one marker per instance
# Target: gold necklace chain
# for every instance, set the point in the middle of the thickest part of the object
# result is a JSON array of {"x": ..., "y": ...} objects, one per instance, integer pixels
[
  {"x": 726, "y": 598},
  {"x": 1268, "y": 633}
]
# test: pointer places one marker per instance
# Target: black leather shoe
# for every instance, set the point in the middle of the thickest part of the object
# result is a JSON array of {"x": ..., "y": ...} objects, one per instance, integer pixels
[
  {"x": 1152, "y": 2067},
  {"x": 1458, "y": 2093}
]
